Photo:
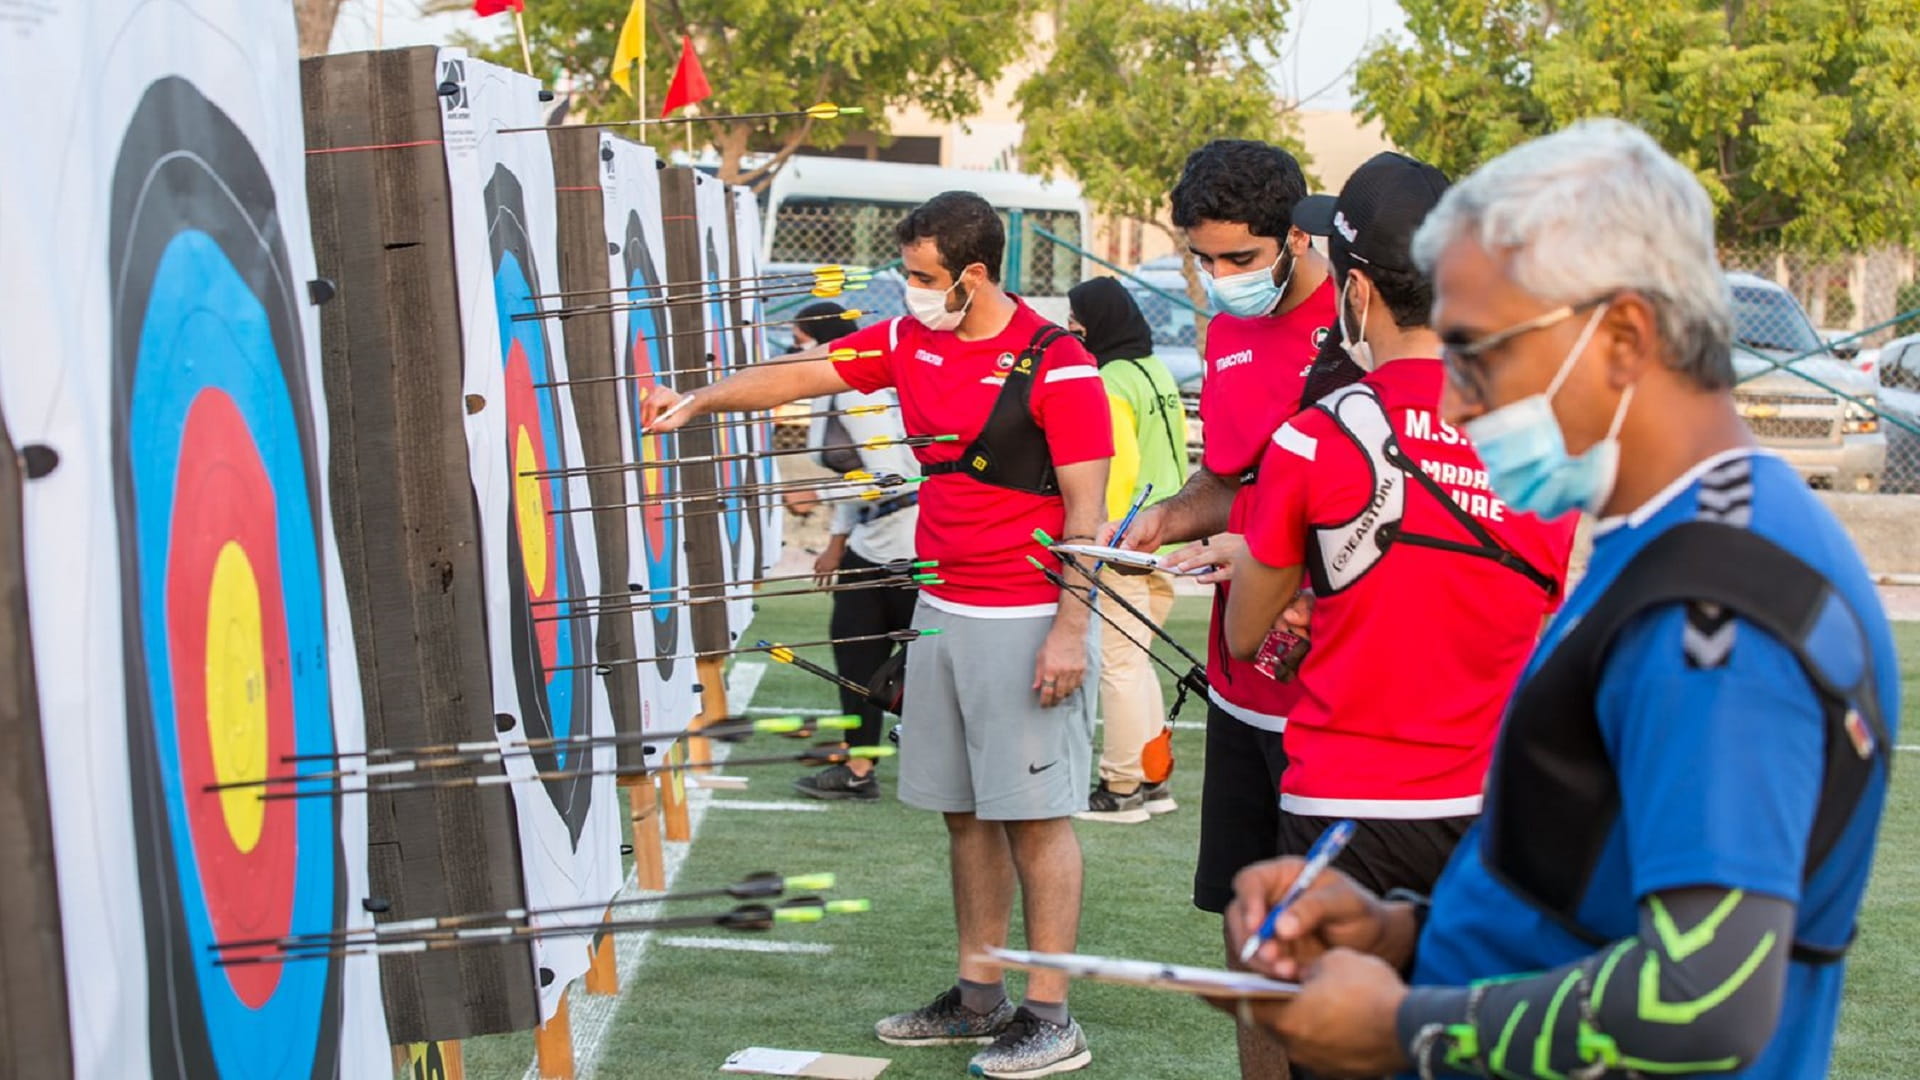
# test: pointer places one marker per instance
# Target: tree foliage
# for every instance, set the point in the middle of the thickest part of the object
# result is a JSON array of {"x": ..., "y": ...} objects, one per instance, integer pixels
[
  {"x": 775, "y": 55},
  {"x": 1134, "y": 86},
  {"x": 1801, "y": 117}
]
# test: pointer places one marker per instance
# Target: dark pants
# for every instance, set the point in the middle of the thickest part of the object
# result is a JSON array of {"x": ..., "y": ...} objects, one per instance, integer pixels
[
  {"x": 1239, "y": 805},
  {"x": 857, "y": 613},
  {"x": 1383, "y": 854}
]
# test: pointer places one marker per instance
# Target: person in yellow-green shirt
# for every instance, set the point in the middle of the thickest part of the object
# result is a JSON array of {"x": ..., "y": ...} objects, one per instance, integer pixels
[{"x": 1149, "y": 448}]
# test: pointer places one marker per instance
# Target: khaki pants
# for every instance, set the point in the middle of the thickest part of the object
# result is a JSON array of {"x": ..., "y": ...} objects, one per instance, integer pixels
[{"x": 1131, "y": 704}]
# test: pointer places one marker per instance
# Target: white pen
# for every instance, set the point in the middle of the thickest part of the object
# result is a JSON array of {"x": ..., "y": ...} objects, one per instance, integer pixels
[{"x": 671, "y": 409}]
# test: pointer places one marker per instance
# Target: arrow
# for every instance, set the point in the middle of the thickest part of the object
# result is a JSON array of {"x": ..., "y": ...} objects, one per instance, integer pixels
[
  {"x": 835, "y": 355},
  {"x": 605, "y": 667},
  {"x": 825, "y": 110},
  {"x": 829, "y": 272},
  {"x": 724, "y": 728},
  {"x": 892, "y": 568},
  {"x": 787, "y": 656},
  {"x": 877, "y": 442},
  {"x": 743, "y": 917},
  {"x": 762, "y": 885},
  {"x": 907, "y": 582},
  {"x": 784, "y": 487},
  {"x": 754, "y": 505},
  {"x": 743, "y": 421},
  {"x": 834, "y": 754},
  {"x": 823, "y": 290}
]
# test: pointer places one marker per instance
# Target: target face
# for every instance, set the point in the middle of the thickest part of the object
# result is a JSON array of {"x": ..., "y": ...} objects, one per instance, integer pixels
[
  {"x": 543, "y": 557},
  {"x": 733, "y": 473},
  {"x": 216, "y": 484},
  {"x": 660, "y": 526}
]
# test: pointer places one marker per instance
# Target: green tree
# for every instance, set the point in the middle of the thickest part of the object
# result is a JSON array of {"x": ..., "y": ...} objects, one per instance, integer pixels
[
  {"x": 1799, "y": 116},
  {"x": 1134, "y": 86},
  {"x": 767, "y": 56}
]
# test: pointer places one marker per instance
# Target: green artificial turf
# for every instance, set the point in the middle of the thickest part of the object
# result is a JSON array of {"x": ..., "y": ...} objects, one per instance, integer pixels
[{"x": 688, "y": 1009}]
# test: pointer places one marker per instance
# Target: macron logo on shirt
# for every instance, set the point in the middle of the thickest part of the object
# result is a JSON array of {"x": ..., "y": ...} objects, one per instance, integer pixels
[
  {"x": 933, "y": 358},
  {"x": 1233, "y": 360}
]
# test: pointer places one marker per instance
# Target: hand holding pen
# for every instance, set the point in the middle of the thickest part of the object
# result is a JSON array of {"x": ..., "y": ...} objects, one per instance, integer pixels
[
  {"x": 1319, "y": 857},
  {"x": 1132, "y": 512}
]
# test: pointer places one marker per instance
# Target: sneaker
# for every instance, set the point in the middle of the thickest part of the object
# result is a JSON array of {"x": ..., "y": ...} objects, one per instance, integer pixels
[
  {"x": 945, "y": 1022},
  {"x": 1159, "y": 798},
  {"x": 1105, "y": 805},
  {"x": 839, "y": 782},
  {"x": 1030, "y": 1046}
]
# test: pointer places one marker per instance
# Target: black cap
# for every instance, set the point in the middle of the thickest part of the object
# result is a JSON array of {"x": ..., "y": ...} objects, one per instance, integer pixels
[{"x": 1374, "y": 219}]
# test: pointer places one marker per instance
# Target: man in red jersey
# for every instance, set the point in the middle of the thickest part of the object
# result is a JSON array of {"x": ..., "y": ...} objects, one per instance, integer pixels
[
  {"x": 1001, "y": 755},
  {"x": 1275, "y": 303},
  {"x": 1429, "y": 592}
]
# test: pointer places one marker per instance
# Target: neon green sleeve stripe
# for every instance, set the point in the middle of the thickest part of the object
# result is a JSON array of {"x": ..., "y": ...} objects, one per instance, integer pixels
[
  {"x": 1679, "y": 945},
  {"x": 1543, "y": 1043},
  {"x": 1497, "y": 1061},
  {"x": 1655, "y": 1011}
]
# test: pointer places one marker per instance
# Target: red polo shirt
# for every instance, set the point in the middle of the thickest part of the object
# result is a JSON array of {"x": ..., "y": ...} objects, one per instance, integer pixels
[
  {"x": 1413, "y": 662},
  {"x": 982, "y": 534},
  {"x": 1255, "y": 372}
]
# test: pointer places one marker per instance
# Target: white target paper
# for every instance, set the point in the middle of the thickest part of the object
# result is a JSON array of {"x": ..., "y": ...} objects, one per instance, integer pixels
[
  {"x": 189, "y": 617},
  {"x": 751, "y": 347},
  {"x": 538, "y": 555}
]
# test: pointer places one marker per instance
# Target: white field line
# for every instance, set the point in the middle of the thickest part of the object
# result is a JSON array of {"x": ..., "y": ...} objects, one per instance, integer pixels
[
  {"x": 744, "y": 944},
  {"x": 776, "y": 805}
]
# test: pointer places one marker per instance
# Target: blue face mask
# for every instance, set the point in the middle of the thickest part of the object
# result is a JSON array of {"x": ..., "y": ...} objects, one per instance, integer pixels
[
  {"x": 1526, "y": 456},
  {"x": 1252, "y": 294}
]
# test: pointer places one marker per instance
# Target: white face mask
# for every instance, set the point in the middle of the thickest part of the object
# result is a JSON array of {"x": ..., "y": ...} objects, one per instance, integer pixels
[
  {"x": 1358, "y": 350},
  {"x": 930, "y": 307}
]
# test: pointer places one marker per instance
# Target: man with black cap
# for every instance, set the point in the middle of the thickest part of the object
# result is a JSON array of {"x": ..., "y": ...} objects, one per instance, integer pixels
[{"x": 1428, "y": 591}]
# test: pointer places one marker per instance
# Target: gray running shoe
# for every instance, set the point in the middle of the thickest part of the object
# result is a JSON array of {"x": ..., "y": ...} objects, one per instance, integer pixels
[
  {"x": 944, "y": 1023},
  {"x": 1031, "y": 1047},
  {"x": 1159, "y": 798},
  {"x": 839, "y": 782},
  {"x": 1105, "y": 804}
]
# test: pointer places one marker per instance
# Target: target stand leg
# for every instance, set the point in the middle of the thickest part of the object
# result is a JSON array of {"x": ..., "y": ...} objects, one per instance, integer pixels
[
  {"x": 673, "y": 796},
  {"x": 603, "y": 975},
  {"x": 553, "y": 1045},
  {"x": 643, "y": 817},
  {"x": 713, "y": 707}
]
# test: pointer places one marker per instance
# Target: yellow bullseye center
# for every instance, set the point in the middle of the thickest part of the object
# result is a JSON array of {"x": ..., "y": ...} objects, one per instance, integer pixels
[
  {"x": 530, "y": 513},
  {"x": 237, "y": 691}
]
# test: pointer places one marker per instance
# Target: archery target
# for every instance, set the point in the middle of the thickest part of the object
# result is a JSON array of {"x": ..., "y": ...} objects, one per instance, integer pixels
[
  {"x": 216, "y": 478},
  {"x": 552, "y": 634},
  {"x": 646, "y": 354}
]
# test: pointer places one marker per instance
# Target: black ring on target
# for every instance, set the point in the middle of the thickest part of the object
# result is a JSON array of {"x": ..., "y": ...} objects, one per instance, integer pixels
[
  {"x": 221, "y": 534},
  {"x": 543, "y": 551},
  {"x": 660, "y": 526}
]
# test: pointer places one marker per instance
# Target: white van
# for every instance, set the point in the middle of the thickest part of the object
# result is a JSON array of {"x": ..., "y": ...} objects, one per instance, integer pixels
[{"x": 843, "y": 210}]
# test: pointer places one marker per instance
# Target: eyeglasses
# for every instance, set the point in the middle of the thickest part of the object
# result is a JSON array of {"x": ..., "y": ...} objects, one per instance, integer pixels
[{"x": 1465, "y": 361}]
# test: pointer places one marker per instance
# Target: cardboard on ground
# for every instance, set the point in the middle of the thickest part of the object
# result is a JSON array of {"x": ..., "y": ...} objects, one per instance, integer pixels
[
  {"x": 1150, "y": 974},
  {"x": 765, "y": 1061}
]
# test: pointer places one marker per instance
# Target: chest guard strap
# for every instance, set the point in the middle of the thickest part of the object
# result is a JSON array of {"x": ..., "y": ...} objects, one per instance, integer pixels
[
  {"x": 1552, "y": 794},
  {"x": 1011, "y": 450},
  {"x": 1343, "y": 554}
]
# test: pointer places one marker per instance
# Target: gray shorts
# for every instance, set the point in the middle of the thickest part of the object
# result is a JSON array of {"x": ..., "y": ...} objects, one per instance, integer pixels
[{"x": 973, "y": 737}]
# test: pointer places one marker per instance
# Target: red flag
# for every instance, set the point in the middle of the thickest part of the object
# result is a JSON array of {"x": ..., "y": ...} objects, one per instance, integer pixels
[
  {"x": 495, "y": 7},
  {"x": 689, "y": 82}
]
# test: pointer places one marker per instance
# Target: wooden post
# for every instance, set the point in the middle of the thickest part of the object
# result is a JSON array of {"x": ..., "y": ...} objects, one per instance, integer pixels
[
  {"x": 713, "y": 706},
  {"x": 603, "y": 974},
  {"x": 553, "y": 1046},
  {"x": 673, "y": 796},
  {"x": 430, "y": 1060},
  {"x": 643, "y": 817}
]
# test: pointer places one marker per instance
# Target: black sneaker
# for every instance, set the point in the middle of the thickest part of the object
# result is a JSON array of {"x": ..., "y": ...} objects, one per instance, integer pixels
[
  {"x": 1159, "y": 798},
  {"x": 1030, "y": 1047},
  {"x": 839, "y": 782},
  {"x": 944, "y": 1022},
  {"x": 1105, "y": 804}
]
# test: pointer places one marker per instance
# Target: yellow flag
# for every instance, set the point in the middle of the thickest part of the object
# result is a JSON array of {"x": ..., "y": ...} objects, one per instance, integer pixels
[{"x": 632, "y": 47}]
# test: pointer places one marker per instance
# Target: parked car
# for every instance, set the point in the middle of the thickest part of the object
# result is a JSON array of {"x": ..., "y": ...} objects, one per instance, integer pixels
[
  {"x": 1791, "y": 404},
  {"x": 1900, "y": 402}
]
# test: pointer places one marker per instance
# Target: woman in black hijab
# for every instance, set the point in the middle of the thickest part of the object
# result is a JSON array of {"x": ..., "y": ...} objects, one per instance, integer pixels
[
  {"x": 1109, "y": 321},
  {"x": 820, "y": 324}
]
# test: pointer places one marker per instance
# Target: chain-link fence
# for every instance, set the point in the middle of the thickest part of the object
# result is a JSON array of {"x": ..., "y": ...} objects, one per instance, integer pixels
[
  {"x": 1827, "y": 358},
  {"x": 860, "y": 233}
]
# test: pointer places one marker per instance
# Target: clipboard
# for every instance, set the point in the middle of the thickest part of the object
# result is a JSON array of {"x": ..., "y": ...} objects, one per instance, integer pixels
[
  {"x": 1139, "y": 560},
  {"x": 1148, "y": 974}
]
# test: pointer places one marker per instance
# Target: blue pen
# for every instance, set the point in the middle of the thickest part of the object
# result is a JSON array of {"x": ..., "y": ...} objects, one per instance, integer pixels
[
  {"x": 1126, "y": 521},
  {"x": 1319, "y": 857}
]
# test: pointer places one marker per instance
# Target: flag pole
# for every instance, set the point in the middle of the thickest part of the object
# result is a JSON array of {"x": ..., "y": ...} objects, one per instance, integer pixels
[
  {"x": 380, "y": 24},
  {"x": 520, "y": 31}
]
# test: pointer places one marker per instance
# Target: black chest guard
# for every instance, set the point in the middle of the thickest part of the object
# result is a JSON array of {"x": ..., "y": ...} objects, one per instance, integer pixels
[
  {"x": 1552, "y": 794},
  {"x": 1011, "y": 450}
]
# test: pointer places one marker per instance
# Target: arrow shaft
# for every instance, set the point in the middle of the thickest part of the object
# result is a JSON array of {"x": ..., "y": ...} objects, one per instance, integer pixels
[
  {"x": 820, "y": 274},
  {"x": 617, "y": 609},
  {"x": 820, "y": 757}
]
